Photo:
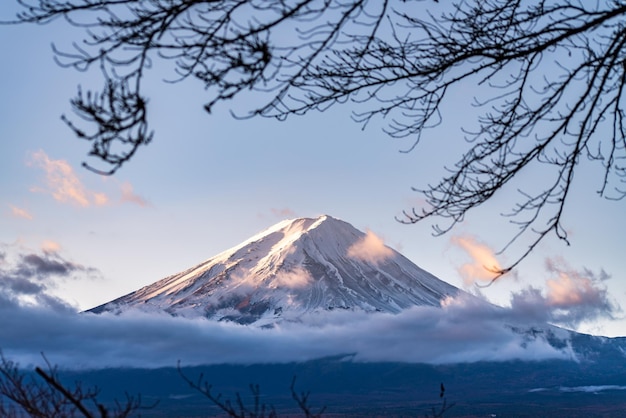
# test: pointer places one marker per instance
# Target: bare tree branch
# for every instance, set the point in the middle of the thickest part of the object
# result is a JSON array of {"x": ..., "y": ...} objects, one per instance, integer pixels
[
  {"x": 302, "y": 399},
  {"x": 239, "y": 409},
  {"x": 51, "y": 398},
  {"x": 551, "y": 73}
]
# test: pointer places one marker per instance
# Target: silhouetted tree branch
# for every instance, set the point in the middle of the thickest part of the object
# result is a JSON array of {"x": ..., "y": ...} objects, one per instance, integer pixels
[
  {"x": 302, "y": 399},
  {"x": 21, "y": 393},
  {"x": 239, "y": 409},
  {"x": 444, "y": 407},
  {"x": 551, "y": 73}
]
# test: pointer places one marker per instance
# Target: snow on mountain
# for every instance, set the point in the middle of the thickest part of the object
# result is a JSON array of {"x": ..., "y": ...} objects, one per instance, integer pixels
[{"x": 295, "y": 267}]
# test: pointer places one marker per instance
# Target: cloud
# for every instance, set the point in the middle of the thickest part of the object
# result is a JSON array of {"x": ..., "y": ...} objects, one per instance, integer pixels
[
  {"x": 26, "y": 277},
  {"x": 65, "y": 186},
  {"x": 293, "y": 279},
  {"x": 461, "y": 331},
  {"x": 45, "y": 264},
  {"x": 129, "y": 196},
  {"x": 63, "y": 183},
  {"x": 370, "y": 248},
  {"x": 570, "y": 298},
  {"x": 20, "y": 285},
  {"x": 50, "y": 246},
  {"x": 20, "y": 213},
  {"x": 483, "y": 263},
  {"x": 284, "y": 213}
]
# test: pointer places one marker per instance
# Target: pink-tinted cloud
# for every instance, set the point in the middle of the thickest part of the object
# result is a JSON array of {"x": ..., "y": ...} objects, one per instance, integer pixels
[
  {"x": 370, "y": 248},
  {"x": 129, "y": 196},
  {"x": 573, "y": 288},
  {"x": 294, "y": 279},
  {"x": 50, "y": 246},
  {"x": 484, "y": 261},
  {"x": 570, "y": 296},
  {"x": 20, "y": 213},
  {"x": 284, "y": 213},
  {"x": 63, "y": 183}
]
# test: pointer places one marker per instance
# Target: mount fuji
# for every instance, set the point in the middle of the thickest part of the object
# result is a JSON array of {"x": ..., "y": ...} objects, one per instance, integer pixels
[
  {"x": 304, "y": 295},
  {"x": 295, "y": 267}
]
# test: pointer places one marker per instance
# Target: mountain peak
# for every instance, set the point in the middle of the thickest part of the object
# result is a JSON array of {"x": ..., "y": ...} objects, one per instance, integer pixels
[
  {"x": 296, "y": 266},
  {"x": 300, "y": 225}
]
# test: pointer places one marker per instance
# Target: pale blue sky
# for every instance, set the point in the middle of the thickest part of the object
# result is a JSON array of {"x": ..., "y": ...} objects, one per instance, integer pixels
[{"x": 209, "y": 181}]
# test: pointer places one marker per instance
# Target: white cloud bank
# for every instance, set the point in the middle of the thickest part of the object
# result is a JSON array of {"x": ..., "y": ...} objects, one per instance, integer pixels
[{"x": 461, "y": 331}]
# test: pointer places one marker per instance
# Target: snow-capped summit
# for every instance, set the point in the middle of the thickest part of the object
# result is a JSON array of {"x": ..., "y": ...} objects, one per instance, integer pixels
[{"x": 294, "y": 267}]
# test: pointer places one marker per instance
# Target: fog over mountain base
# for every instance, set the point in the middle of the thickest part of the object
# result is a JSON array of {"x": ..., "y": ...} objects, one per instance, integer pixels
[{"x": 463, "y": 330}]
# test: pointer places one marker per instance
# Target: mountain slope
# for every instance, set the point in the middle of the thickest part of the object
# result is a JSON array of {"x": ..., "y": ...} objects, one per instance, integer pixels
[{"x": 297, "y": 266}]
